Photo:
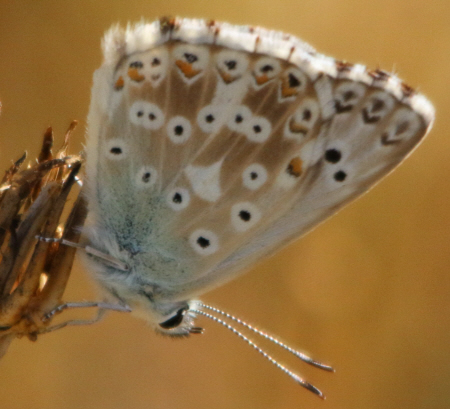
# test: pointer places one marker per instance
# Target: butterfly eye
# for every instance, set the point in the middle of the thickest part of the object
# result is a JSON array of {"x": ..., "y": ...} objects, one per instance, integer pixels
[
  {"x": 116, "y": 149},
  {"x": 178, "y": 198},
  {"x": 204, "y": 242},
  {"x": 175, "y": 320},
  {"x": 254, "y": 176},
  {"x": 179, "y": 129}
]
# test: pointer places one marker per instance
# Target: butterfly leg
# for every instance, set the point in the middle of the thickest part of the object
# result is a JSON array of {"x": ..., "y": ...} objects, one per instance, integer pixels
[
  {"x": 106, "y": 258},
  {"x": 102, "y": 308}
]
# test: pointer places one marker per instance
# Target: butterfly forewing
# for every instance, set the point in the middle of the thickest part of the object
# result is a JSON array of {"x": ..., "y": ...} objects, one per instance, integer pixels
[{"x": 221, "y": 155}]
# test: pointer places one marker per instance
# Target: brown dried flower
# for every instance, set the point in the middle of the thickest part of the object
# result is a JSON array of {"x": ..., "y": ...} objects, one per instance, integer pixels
[{"x": 33, "y": 273}]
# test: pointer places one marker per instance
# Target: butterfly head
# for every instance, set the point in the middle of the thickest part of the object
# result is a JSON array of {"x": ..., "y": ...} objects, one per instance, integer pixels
[
  {"x": 180, "y": 322},
  {"x": 153, "y": 305}
]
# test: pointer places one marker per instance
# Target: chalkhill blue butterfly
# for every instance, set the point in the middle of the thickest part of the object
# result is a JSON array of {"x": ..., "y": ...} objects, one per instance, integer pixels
[{"x": 211, "y": 146}]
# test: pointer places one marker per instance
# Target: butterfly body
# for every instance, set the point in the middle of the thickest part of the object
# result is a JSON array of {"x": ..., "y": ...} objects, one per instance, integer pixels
[{"x": 210, "y": 146}]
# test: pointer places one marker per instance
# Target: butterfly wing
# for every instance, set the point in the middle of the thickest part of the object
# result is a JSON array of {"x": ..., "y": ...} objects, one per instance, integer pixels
[
  {"x": 350, "y": 160},
  {"x": 215, "y": 145}
]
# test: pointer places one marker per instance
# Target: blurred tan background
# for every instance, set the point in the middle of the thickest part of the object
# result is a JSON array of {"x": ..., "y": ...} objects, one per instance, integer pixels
[{"x": 368, "y": 291}]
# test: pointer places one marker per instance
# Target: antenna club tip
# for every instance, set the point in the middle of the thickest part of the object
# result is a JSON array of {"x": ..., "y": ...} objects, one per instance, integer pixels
[
  {"x": 318, "y": 364},
  {"x": 311, "y": 388},
  {"x": 328, "y": 369}
]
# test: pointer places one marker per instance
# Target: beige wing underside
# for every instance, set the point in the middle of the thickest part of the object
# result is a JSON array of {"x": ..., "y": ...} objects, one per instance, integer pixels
[{"x": 215, "y": 157}]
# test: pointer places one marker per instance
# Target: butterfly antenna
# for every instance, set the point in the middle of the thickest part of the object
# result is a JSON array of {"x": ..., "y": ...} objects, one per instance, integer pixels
[
  {"x": 298, "y": 354},
  {"x": 281, "y": 367}
]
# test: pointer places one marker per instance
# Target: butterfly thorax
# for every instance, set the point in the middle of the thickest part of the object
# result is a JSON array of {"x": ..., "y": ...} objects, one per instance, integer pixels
[{"x": 143, "y": 285}]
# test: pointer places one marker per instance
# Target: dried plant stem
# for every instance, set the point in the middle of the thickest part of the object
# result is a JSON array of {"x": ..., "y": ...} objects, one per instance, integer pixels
[{"x": 32, "y": 202}]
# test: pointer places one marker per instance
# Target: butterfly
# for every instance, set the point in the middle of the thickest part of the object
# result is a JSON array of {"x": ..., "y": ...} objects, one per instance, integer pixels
[{"x": 211, "y": 146}]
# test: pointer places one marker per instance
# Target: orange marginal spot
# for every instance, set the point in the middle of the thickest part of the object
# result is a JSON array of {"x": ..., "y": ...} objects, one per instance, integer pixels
[
  {"x": 261, "y": 79},
  {"x": 286, "y": 90},
  {"x": 133, "y": 73},
  {"x": 119, "y": 84},
  {"x": 295, "y": 167},
  {"x": 187, "y": 69},
  {"x": 227, "y": 78},
  {"x": 297, "y": 128}
]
